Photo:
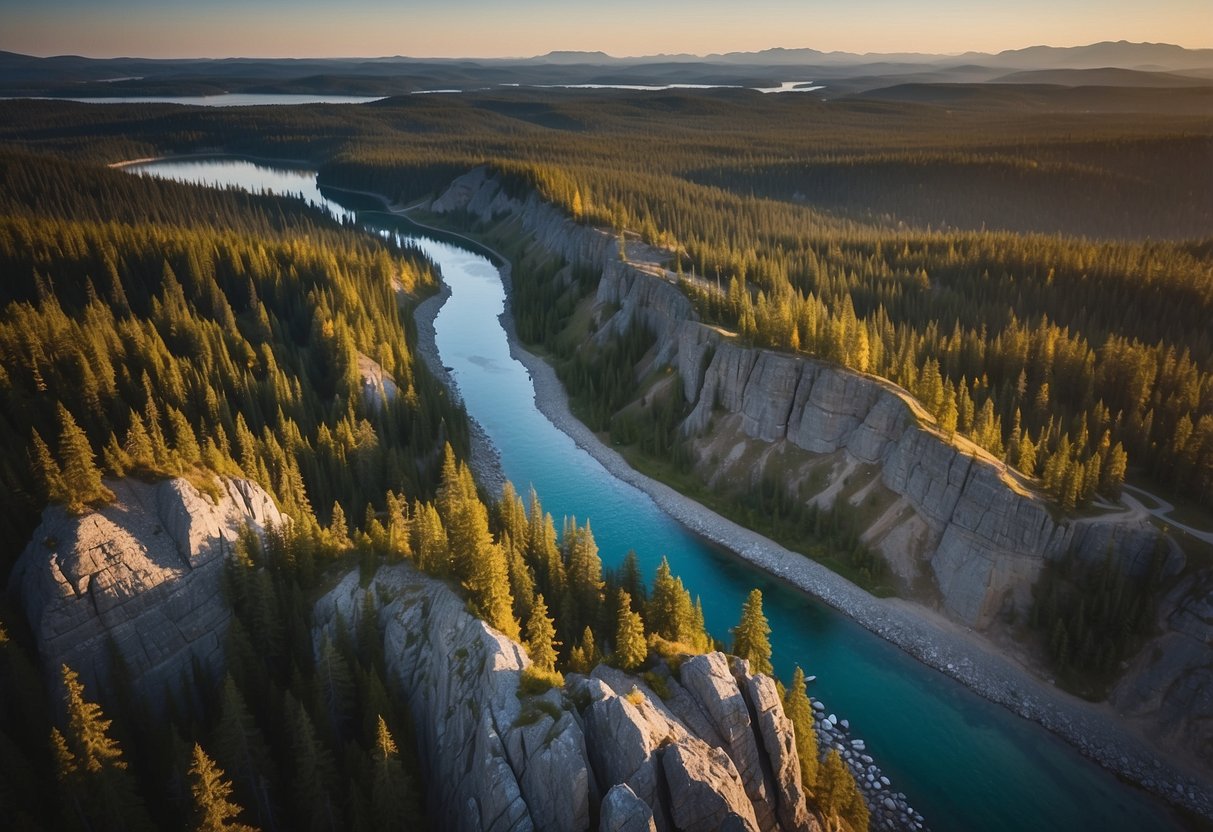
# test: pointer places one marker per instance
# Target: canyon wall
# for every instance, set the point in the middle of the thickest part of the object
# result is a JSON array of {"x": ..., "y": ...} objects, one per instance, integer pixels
[{"x": 980, "y": 531}]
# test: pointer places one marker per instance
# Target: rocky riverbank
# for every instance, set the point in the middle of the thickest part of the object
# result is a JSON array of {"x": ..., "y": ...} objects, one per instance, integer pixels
[
  {"x": 939, "y": 643},
  {"x": 930, "y": 638}
]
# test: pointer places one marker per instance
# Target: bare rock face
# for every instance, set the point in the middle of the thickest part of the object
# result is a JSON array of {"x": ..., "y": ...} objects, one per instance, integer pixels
[
  {"x": 1171, "y": 682},
  {"x": 778, "y": 740},
  {"x": 623, "y": 811},
  {"x": 607, "y": 750},
  {"x": 495, "y": 762},
  {"x": 143, "y": 572},
  {"x": 985, "y": 535},
  {"x": 710, "y": 682},
  {"x": 705, "y": 793}
]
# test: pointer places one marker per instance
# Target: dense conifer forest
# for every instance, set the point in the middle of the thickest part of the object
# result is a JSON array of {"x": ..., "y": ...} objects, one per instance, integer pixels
[
  {"x": 1040, "y": 281},
  {"x": 151, "y": 329}
]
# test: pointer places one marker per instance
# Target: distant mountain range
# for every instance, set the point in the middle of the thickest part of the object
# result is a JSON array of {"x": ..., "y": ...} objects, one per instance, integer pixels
[
  {"x": 1108, "y": 64},
  {"x": 1123, "y": 54}
]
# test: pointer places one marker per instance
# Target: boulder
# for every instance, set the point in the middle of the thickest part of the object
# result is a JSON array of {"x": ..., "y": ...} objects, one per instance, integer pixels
[
  {"x": 705, "y": 790},
  {"x": 710, "y": 683},
  {"x": 623, "y": 811}
]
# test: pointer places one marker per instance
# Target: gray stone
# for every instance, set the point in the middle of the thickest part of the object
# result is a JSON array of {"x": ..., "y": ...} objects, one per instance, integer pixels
[
  {"x": 779, "y": 743},
  {"x": 623, "y": 811},
  {"x": 495, "y": 762},
  {"x": 144, "y": 571},
  {"x": 706, "y": 792},
  {"x": 710, "y": 682}
]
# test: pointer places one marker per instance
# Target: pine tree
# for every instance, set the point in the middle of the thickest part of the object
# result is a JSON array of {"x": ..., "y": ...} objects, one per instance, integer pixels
[
  {"x": 838, "y": 797},
  {"x": 212, "y": 811},
  {"x": 541, "y": 636},
  {"x": 630, "y": 647},
  {"x": 240, "y": 747},
  {"x": 392, "y": 796},
  {"x": 339, "y": 530},
  {"x": 90, "y": 764},
  {"x": 81, "y": 476},
  {"x": 47, "y": 472},
  {"x": 488, "y": 584},
  {"x": 430, "y": 543},
  {"x": 799, "y": 711},
  {"x": 138, "y": 444},
  {"x": 584, "y": 656},
  {"x": 751, "y": 636},
  {"x": 312, "y": 771},
  {"x": 670, "y": 613}
]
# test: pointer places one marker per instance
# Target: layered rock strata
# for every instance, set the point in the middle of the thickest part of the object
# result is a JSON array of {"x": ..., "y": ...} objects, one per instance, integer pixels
[{"x": 143, "y": 574}]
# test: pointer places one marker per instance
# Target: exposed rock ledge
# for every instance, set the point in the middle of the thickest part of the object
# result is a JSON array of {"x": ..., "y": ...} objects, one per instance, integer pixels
[
  {"x": 717, "y": 752},
  {"x": 144, "y": 572}
]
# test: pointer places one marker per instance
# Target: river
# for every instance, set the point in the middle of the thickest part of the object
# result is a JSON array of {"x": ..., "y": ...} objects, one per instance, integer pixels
[{"x": 964, "y": 763}]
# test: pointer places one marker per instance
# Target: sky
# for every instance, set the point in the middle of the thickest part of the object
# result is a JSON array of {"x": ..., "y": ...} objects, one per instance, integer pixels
[{"x": 520, "y": 28}]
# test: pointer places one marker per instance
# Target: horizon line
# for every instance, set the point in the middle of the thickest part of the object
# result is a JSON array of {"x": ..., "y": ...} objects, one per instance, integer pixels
[{"x": 251, "y": 57}]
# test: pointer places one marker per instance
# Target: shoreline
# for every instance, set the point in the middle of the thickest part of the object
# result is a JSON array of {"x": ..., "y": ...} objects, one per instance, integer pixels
[{"x": 1091, "y": 729}]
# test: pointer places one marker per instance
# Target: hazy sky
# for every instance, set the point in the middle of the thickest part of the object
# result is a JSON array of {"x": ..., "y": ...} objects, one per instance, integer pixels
[{"x": 493, "y": 28}]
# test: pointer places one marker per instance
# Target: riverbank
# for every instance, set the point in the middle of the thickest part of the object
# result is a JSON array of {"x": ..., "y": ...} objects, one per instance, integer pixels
[
  {"x": 1094, "y": 730},
  {"x": 941, "y": 644}
]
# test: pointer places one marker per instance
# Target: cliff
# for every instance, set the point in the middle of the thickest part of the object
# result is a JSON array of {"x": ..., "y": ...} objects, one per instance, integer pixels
[
  {"x": 143, "y": 572},
  {"x": 981, "y": 534},
  {"x": 968, "y": 535},
  {"x": 713, "y": 751}
]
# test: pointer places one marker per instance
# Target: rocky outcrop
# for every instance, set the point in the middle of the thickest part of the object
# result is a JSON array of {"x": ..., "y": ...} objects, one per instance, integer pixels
[
  {"x": 378, "y": 386},
  {"x": 143, "y": 573},
  {"x": 606, "y": 752},
  {"x": 493, "y": 761}
]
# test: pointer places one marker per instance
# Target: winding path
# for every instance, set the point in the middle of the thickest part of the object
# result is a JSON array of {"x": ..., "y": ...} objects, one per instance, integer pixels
[{"x": 1162, "y": 511}]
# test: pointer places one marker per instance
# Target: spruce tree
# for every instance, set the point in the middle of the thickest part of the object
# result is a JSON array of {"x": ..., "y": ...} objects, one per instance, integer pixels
[
  {"x": 91, "y": 766},
  {"x": 47, "y": 472},
  {"x": 751, "y": 636},
  {"x": 241, "y": 748},
  {"x": 212, "y": 811},
  {"x": 631, "y": 649},
  {"x": 799, "y": 711},
  {"x": 584, "y": 656},
  {"x": 541, "y": 636},
  {"x": 488, "y": 584},
  {"x": 81, "y": 476},
  {"x": 392, "y": 796},
  {"x": 838, "y": 797},
  {"x": 339, "y": 530}
]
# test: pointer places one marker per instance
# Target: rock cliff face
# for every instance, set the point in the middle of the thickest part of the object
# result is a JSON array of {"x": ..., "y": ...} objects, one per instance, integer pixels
[
  {"x": 143, "y": 572},
  {"x": 717, "y": 752},
  {"x": 1170, "y": 683},
  {"x": 978, "y": 531}
]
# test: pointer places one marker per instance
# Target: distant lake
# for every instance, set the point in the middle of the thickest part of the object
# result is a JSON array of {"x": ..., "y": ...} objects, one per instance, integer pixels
[{"x": 231, "y": 99}]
